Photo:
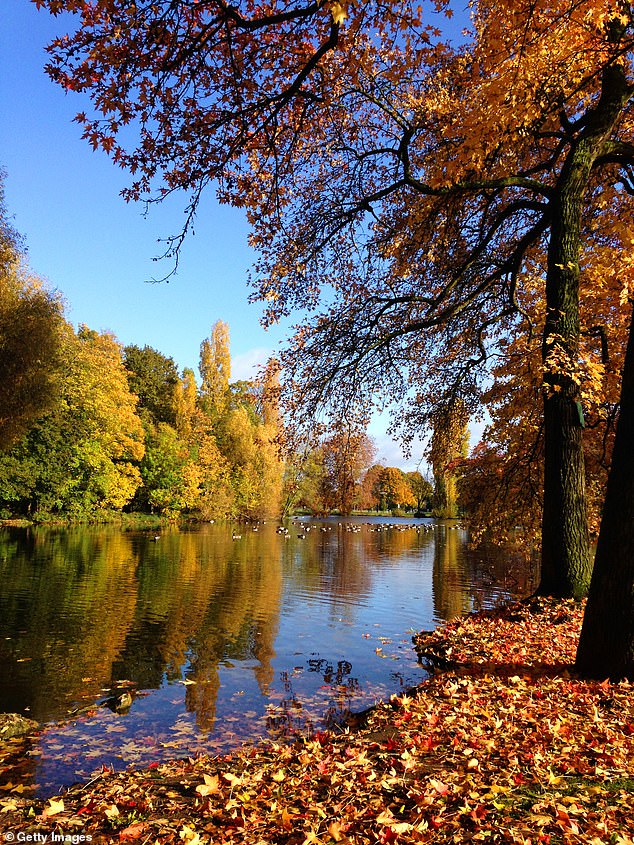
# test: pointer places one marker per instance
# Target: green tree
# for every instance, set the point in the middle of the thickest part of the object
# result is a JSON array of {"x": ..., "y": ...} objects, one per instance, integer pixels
[
  {"x": 421, "y": 488},
  {"x": 83, "y": 454},
  {"x": 164, "y": 488},
  {"x": 153, "y": 378}
]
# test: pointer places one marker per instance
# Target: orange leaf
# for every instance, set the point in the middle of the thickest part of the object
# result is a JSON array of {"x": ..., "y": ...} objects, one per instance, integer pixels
[
  {"x": 334, "y": 830},
  {"x": 134, "y": 831},
  {"x": 285, "y": 820}
]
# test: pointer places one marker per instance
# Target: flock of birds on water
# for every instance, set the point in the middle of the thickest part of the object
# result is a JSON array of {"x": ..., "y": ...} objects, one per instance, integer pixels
[{"x": 351, "y": 528}]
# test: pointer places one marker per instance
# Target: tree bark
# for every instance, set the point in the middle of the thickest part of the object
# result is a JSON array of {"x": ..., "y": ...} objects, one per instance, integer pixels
[
  {"x": 565, "y": 538},
  {"x": 606, "y": 645},
  {"x": 566, "y": 561}
]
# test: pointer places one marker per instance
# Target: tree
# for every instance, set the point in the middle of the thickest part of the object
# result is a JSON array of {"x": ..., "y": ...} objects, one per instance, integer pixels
[
  {"x": 10, "y": 241},
  {"x": 344, "y": 454},
  {"x": 185, "y": 400},
  {"x": 215, "y": 368},
  {"x": 83, "y": 455},
  {"x": 395, "y": 490},
  {"x": 31, "y": 327},
  {"x": 153, "y": 378},
  {"x": 208, "y": 473},
  {"x": 370, "y": 489},
  {"x": 242, "y": 421},
  {"x": 449, "y": 443},
  {"x": 501, "y": 487},
  {"x": 420, "y": 183},
  {"x": 606, "y": 644},
  {"x": 421, "y": 489},
  {"x": 165, "y": 488}
]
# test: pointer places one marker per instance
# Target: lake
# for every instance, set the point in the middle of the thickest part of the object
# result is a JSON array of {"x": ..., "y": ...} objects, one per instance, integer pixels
[{"x": 130, "y": 648}]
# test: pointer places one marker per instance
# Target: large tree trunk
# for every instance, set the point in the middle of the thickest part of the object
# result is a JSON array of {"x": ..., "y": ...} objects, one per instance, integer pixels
[
  {"x": 566, "y": 561},
  {"x": 606, "y": 645},
  {"x": 565, "y": 539}
]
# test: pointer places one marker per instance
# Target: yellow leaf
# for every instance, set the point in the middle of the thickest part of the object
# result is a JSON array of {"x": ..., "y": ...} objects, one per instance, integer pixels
[
  {"x": 189, "y": 835},
  {"x": 8, "y": 806},
  {"x": 210, "y": 787},
  {"x": 54, "y": 807},
  {"x": 339, "y": 12},
  {"x": 554, "y": 780},
  {"x": 279, "y": 776},
  {"x": 401, "y": 827}
]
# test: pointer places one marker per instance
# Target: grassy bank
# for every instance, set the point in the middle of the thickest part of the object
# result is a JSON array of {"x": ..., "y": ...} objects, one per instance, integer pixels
[
  {"x": 504, "y": 745},
  {"x": 128, "y": 521}
]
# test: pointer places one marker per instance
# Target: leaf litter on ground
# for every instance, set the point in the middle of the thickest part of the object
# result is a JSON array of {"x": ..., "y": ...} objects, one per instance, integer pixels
[{"x": 502, "y": 744}]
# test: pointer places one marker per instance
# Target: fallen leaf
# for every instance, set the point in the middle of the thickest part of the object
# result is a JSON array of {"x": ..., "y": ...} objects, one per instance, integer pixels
[
  {"x": 285, "y": 820},
  {"x": 334, "y": 830},
  {"x": 440, "y": 787},
  {"x": 211, "y": 786},
  {"x": 53, "y": 808},
  {"x": 134, "y": 831}
]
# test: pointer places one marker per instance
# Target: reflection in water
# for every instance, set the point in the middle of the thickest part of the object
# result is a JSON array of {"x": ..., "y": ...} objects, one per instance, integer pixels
[{"x": 198, "y": 641}]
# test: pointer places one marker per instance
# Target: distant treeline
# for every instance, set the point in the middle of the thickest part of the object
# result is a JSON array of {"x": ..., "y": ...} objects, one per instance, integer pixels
[{"x": 89, "y": 428}]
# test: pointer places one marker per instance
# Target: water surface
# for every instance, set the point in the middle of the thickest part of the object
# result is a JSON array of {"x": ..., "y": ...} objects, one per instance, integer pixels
[{"x": 215, "y": 639}]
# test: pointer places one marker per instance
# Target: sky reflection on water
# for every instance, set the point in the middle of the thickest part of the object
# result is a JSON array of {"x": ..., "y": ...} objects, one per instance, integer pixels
[{"x": 217, "y": 641}]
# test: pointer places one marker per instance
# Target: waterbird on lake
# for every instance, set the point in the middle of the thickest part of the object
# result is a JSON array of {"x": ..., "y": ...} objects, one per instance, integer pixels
[{"x": 118, "y": 703}]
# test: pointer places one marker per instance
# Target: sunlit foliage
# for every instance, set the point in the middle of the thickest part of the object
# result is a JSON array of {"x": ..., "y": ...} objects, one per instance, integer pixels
[{"x": 31, "y": 325}]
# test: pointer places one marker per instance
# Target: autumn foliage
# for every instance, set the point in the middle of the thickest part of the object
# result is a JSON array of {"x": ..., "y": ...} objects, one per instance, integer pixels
[
  {"x": 434, "y": 201},
  {"x": 90, "y": 429}
]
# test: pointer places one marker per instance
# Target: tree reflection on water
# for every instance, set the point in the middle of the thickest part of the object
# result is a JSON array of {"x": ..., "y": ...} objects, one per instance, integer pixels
[{"x": 215, "y": 640}]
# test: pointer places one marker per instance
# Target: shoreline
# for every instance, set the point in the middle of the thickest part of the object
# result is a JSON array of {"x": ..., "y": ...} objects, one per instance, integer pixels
[{"x": 505, "y": 745}]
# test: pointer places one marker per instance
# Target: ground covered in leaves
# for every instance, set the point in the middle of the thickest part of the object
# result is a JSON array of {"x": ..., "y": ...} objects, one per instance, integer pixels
[{"x": 503, "y": 744}]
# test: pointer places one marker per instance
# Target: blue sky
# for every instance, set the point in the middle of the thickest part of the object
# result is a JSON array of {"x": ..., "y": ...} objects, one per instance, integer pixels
[
  {"x": 94, "y": 247},
  {"x": 97, "y": 249}
]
